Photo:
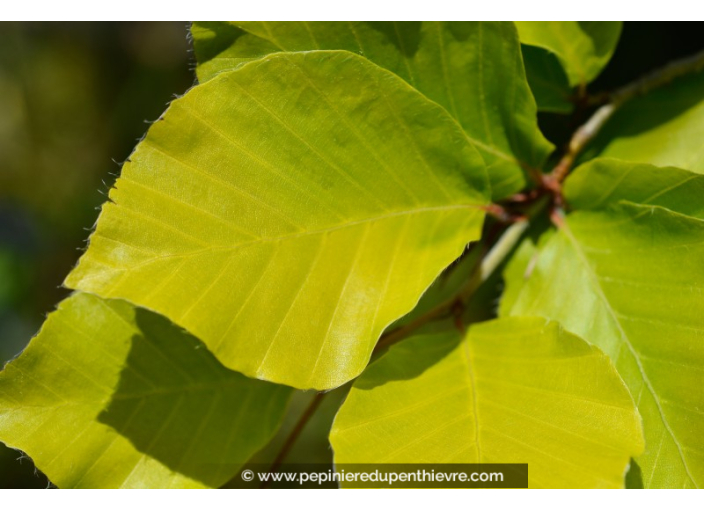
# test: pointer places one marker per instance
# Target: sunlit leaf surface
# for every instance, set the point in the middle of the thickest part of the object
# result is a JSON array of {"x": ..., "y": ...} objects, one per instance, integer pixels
[
  {"x": 664, "y": 127},
  {"x": 626, "y": 275},
  {"x": 108, "y": 395},
  {"x": 472, "y": 69},
  {"x": 285, "y": 213},
  {"x": 513, "y": 390}
]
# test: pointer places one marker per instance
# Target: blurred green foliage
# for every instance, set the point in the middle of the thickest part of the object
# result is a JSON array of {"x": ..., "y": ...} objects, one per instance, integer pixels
[{"x": 74, "y": 98}]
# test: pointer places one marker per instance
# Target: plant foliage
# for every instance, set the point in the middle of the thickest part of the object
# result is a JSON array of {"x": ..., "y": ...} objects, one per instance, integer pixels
[{"x": 283, "y": 222}]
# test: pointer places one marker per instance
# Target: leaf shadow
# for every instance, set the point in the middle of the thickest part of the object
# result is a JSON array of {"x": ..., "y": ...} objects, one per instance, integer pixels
[
  {"x": 178, "y": 405},
  {"x": 226, "y": 35},
  {"x": 409, "y": 359},
  {"x": 404, "y": 35},
  {"x": 634, "y": 476}
]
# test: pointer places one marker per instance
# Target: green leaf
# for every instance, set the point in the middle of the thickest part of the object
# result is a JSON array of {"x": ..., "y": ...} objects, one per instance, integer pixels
[
  {"x": 513, "y": 390},
  {"x": 603, "y": 182},
  {"x": 634, "y": 477},
  {"x": 583, "y": 47},
  {"x": 516, "y": 272},
  {"x": 547, "y": 80},
  {"x": 285, "y": 213},
  {"x": 459, "y": 65},
  {"x": 629, "y": 279},
  {"x": 664, "y": 127},
  {"x": 108, "y": 395}
]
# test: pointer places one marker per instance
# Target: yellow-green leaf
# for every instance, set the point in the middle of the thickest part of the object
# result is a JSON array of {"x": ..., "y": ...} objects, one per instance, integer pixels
[
  {"x": 285, "y": 213},
  {"x": 664, "y": 127},
  {"x": 603, "y": 182},
  {"x": 547, "y": 80},
  {"x": 108, "y": 395},
  {"x": 516, "y": 272},
  {"x": 466, "y": 67},
  {"x": 583, "y": 47},
  {"x": 513, "y": 390},
  {"x": 628, "y": 277}
]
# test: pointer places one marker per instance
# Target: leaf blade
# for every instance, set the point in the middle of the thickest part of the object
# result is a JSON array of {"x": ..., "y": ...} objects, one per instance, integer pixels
[
  {"x": 455, "y": 64},
  {"x": 236, "y": 228},
  {"x": 547, "y": 80},
  {"x": 604, "y": 181},
  {"x": 108, "y": 395},
  {"x": 583, "y": 47},
  {"x": 636, "y": 270},
  {"x": 491, "y": 397},
  {"x": 661, "y": 128}
]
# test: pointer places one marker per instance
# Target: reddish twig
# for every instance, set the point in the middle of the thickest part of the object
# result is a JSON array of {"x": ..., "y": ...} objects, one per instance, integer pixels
[
  {"x": 587, "y": 131},
  {"x": 293, "y": 436}
]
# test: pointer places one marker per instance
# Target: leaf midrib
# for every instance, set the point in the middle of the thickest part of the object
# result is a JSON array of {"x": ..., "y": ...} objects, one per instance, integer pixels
[
  {"x": 297, "y": 235},
  {"x": 624, "y": 337},
  {"x": 473, "y": 386}
]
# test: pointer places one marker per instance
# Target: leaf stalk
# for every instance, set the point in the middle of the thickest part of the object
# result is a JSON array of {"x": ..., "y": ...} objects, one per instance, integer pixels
[{"x": 587, "y": 131}]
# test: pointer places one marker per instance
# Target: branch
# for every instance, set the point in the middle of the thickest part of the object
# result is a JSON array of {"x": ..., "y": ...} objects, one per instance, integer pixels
[
  {"x": 587, "y": 131},
  {"x": 489, "y": 263},
  {"x": 579, "y": 139},
  {"x": 293, "y": 436},
  {"x": 288, "y": 442},
  {"x": 659, "y": 77}
]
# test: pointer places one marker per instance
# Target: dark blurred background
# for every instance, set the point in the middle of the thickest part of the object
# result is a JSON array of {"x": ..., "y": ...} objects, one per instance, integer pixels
[{"x": 74, "y": 100}]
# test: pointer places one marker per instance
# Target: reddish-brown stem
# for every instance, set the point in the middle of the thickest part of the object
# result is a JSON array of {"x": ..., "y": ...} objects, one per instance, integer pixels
[
  {"x": 402, "y": 332},
  {"x": 587, "y": 131},
  {"x": 293, "y": 436},
  {"x": 503, "y": 215},
  {"x": 457, "y": 310}
]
